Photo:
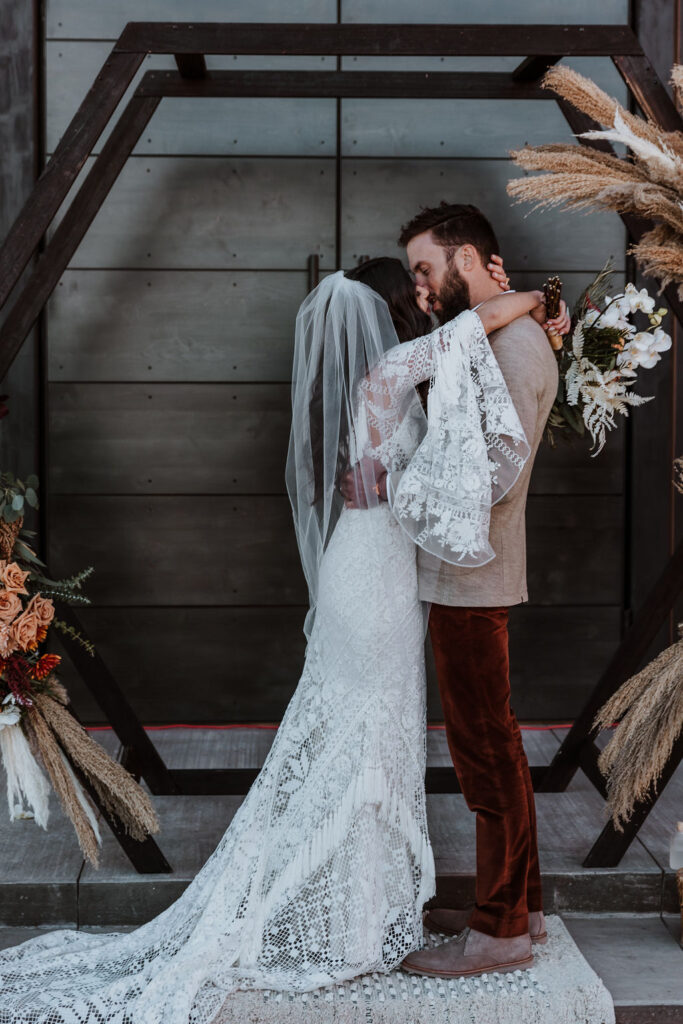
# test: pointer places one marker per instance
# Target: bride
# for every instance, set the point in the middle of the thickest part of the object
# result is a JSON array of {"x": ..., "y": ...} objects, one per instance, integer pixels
[{"x": 324, "y": 870}]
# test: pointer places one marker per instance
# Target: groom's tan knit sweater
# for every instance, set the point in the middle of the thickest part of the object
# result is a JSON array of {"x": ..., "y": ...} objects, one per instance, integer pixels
[{"x": 530, "y": 370}]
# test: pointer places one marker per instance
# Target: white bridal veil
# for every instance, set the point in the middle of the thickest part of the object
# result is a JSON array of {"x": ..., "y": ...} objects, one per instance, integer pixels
[
  {"x": 354, "y": 403},
  {"x": 348, "y": 406}
]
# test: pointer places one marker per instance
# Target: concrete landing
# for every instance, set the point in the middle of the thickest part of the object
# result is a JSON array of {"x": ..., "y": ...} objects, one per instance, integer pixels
[{"x": 45, "y": 881}]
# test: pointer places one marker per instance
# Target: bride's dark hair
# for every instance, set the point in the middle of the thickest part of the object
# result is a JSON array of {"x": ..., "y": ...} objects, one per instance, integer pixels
[{"x": 387, "y": 276}]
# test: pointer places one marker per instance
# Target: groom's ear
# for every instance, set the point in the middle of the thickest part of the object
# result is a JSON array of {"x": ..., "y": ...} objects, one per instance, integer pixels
[{"x": 469, "y": 257}]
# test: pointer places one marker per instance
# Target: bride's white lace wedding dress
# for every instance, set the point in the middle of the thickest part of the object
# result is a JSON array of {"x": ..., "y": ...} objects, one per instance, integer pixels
[{"x": 324, "y": 870}]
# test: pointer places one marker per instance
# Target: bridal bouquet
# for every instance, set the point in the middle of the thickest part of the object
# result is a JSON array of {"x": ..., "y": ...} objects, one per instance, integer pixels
[
  {"x": 600, "y": 360},
  {"x": 39, "y": 736}
]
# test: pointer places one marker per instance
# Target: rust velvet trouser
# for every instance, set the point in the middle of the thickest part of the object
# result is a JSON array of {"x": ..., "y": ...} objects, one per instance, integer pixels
[{"x": 471, "y": 653}]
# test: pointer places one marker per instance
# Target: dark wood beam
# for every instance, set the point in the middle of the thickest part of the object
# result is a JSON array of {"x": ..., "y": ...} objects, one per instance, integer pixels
[
  {"x": 385, "y": 84},
  {"x": 533, "y": 68},
  {"x": 588, "y": 760},
  {"x": 119, "y": 714},
  {"x": 61, "y": 171},
  {"x": 611, "y": 845},
  {"x": 648, "y": 90},
  {"x": 73, "y": 227},
  {"x": 191, "y": 65},
  {"x": 378, "y": 40},
  {"x": 624, "y": 663}
]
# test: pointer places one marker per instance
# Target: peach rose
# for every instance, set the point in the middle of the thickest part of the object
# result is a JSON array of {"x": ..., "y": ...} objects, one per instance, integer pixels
[
  {"x": 10, "y": 605},
  {"x": 14, "y": 578},
  {"x": 42, "y": 608},
  {"x": 24, "y": 630}
]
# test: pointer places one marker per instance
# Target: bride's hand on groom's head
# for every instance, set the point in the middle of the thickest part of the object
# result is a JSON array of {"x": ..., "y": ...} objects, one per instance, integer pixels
[{"x": 498, "y": 273}]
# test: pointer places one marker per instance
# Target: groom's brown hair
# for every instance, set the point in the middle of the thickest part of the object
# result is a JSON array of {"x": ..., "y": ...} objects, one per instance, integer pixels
[{"x": 451, "y": 225}]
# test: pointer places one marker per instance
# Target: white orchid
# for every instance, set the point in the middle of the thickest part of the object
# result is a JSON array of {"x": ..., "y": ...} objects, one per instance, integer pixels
[
  {"x": 614, "y": 312},
  {"x": 644, "y": 349},
  {"x": 662, "y": 340},
  {"x": 638, "y": 299}
]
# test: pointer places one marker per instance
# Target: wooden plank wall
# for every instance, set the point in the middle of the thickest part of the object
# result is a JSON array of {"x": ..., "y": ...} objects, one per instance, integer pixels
[
  {"x": 656, "y": 508},
  {"x": 170, "y": 341},
  {"x": 19, "y": 88}
]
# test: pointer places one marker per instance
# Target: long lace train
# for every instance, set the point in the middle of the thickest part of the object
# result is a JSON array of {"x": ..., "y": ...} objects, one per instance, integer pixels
[{"x": 324, "y": 870}]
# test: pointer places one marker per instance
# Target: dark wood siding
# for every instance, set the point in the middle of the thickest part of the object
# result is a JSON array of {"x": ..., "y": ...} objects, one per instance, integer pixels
[
  {"x": 170, "y": 347},
  {"x": 19, "y": 98}
]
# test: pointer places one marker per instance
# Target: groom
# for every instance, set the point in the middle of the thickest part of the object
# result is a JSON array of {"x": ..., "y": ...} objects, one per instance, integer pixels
[{"x": 448, "y": 249}]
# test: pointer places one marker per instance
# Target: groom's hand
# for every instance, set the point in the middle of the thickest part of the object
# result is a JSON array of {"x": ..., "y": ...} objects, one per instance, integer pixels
[{"x": 364, "y": 485}]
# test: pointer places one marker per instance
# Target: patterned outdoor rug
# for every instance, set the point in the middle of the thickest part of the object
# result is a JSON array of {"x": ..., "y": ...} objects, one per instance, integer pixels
[{"x": 561, "y": 988}]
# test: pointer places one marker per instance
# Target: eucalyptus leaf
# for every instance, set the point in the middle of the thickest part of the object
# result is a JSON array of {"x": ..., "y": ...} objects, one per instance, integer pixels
[
  {"x": 33, "y": 481},
  {"x": 11, "y": 515},
  {"x": 26, "y": 553},
  {"x": 18, "y": 502},
  {"x": 31, "y": 497}
]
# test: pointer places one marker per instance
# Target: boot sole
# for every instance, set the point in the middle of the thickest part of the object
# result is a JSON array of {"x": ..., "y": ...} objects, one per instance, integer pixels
[
  {"x": 541, "y": 938},
  {"x": 517, "y": 965}
]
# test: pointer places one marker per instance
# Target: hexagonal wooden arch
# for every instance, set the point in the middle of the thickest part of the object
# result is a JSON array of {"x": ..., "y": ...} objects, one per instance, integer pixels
[{"x": 544, "y": 45}]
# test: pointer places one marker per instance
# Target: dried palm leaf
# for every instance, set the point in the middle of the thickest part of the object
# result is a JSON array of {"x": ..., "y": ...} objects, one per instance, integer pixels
[
  {"x": 586, "y": 96},
  {"x": 660, "y": 254},
  {"x": 566, "y": 156},
  {"x": 662, "y": 163},
  {"x": 648, "y": 184},
  {"x": 677, "y": 81},
  {"x": 117, "y": 789},
  {"x": 74, "y": 802},
  {"x": 585, "y": 191},
  {"x": 650, "y": 709}
]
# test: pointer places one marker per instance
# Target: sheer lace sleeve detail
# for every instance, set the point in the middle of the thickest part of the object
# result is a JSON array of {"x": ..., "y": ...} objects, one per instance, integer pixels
[
  {"x": 391, "y": 423},
  {"x": 474, "y": 448}
]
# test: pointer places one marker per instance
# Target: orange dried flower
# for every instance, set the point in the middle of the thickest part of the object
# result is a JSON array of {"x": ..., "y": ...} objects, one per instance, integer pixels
[{"x": 45, "y": 664}]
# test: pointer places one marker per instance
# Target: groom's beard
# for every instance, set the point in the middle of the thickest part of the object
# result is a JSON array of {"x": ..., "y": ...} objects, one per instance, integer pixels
[{"x": 454, "y": 296}]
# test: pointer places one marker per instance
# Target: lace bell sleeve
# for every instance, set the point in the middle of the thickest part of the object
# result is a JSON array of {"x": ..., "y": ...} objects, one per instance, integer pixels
[
  {"x": 472, "y": 453},
  {"x": 390, "y": 421}
]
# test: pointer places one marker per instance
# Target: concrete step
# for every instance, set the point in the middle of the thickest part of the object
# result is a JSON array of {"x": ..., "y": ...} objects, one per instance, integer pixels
[{"x": 45, "y": 881}]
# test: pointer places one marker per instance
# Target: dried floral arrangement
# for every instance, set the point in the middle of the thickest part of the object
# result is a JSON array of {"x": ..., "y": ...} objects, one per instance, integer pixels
[
  {"x": 600, "y": 359},
  {"x": 648, "y": 182},
  {"x": 40, "y": 739},
  {"x": 649, "y": 709}
]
